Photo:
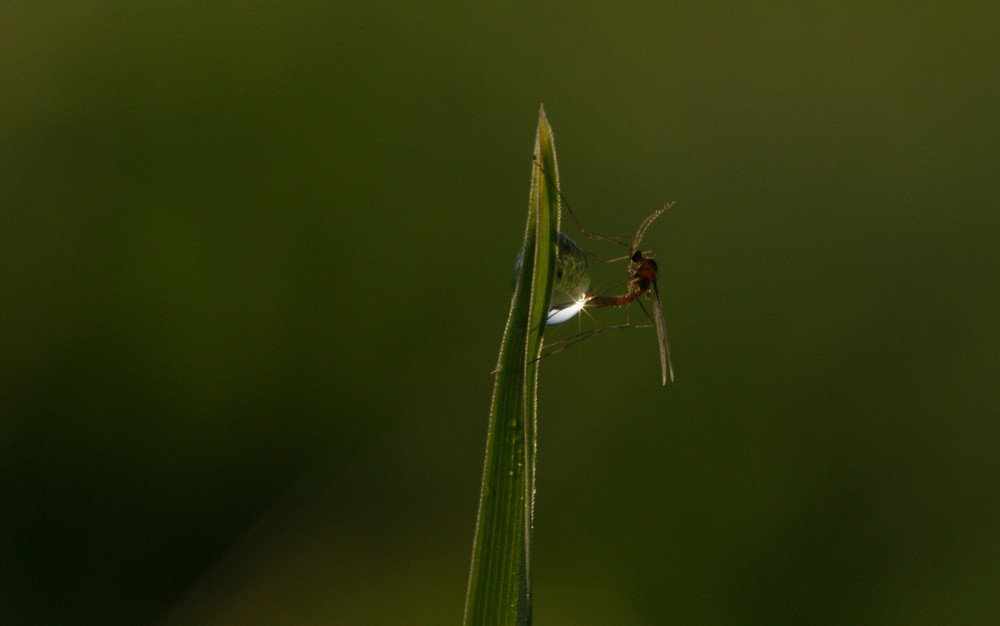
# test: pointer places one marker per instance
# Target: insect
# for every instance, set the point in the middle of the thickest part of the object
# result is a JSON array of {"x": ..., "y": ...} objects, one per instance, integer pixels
[
  {"x": 643, "y": 271},
  {"x": 642, "y": 281}
]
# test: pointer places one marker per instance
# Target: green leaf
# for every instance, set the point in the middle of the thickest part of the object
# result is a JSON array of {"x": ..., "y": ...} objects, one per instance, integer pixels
[{"x": 500, "y": 581}]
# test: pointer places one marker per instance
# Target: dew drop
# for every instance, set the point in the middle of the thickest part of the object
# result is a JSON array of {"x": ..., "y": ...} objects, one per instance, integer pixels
[{"x": 572, "y": 282}]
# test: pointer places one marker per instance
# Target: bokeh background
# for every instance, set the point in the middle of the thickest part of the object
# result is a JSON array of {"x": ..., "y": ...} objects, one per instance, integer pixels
[{"x": 255, "y": 262}]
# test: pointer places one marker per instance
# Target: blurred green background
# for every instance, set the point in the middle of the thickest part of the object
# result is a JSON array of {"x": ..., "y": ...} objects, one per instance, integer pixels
[{"x": 255, "y": 263}]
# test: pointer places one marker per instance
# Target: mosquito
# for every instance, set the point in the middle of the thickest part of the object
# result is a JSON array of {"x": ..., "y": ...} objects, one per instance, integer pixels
[{"x": 642, "y": 281}]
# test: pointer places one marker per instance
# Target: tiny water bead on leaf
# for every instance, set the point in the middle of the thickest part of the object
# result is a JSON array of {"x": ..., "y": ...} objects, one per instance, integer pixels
[{"x": 572, "y": 279}]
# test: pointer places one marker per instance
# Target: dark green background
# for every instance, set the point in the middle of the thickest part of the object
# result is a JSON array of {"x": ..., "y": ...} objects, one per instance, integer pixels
[{"x": 255, "y": 263}]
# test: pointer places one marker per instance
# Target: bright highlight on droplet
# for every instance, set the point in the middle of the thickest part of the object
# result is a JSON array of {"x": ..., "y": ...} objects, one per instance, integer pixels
[{"x": 558, "y": 316}]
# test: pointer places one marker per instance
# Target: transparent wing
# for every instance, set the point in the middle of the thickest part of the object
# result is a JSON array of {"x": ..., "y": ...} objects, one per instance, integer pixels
[{"x": 666, "y": 365}]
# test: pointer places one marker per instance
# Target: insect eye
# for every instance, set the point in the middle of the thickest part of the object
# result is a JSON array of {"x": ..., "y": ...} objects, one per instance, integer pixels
[{"x": 637, "y": 256}]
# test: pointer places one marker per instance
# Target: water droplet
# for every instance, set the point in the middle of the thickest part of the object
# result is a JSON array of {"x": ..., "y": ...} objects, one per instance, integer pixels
[{"x": 572, "y": 281}]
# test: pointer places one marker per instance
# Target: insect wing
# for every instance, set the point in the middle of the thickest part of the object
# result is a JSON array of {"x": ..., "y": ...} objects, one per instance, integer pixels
[{"x": 666, "y": 365}]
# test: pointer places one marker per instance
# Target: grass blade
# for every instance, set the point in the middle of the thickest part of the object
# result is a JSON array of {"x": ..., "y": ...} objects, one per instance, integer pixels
[{"x": 500, "y": 579}]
